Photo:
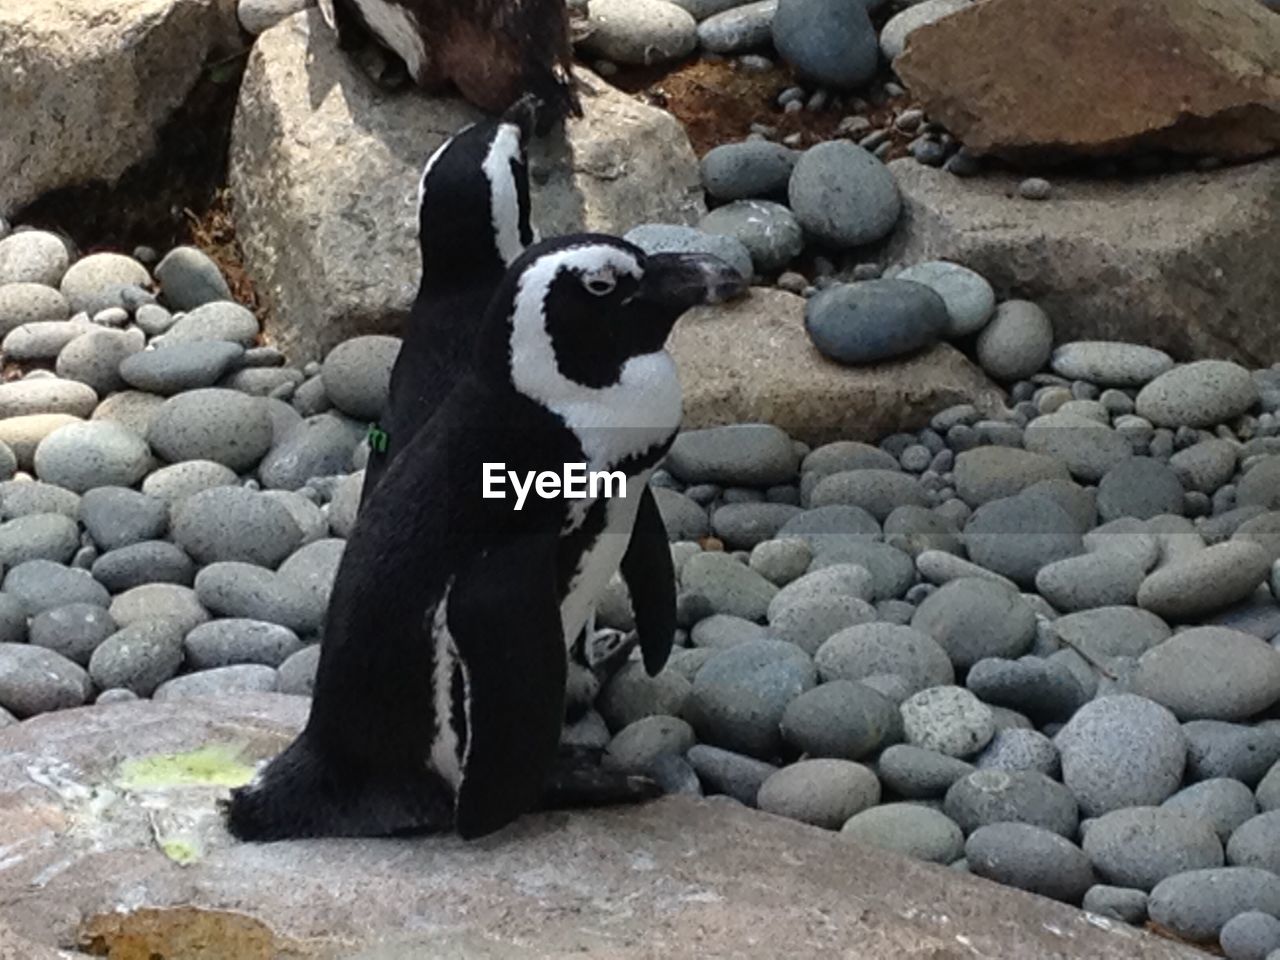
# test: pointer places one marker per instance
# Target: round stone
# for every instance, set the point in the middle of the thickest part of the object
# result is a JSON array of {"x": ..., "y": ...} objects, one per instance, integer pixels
[
  {"x": 180, "y": 480},
  {"x": 1211, "y": 673},
  {"x": 727, "y": 586},
  {"x": 1258, "y": 487},
  {"x": 139, "y": 657},
  {"x": 94, "y": 358},
  {"x": 35, "y": 680},
  {"x": 1044, "y": 689},
  {"x": 1139, "y": 487},
  {"x": 907, "y": 828},
  {"x": 132, "y": 409},
  {"x": 1112, "y": 631},
  {"x": 745, "y": 27},
  {"x": 170, "y": 602},
  {"x": 893, "y": 37},
  {"x": 188, "y": 278},
  {"x": 1030, "y": 858},
  {"x": 232, "y": 523},
  {"x": 811, "y": 609},
  {"x": 723, "y": 771},
  {"x": 42, "y": 585},
  {"x": 1017, "y": 341},
  {"x": 640, "y": 32},
  {"x": 98, "y": 453},
  {"x": 917, "y": 773},
  {"x": 969, "y": 297},
  {"x": 828, "y": 43},
  {"x": 1251, "y": 935},
  {"x": 950, "y": 720},
  {"x": 874, "y": 320},
  {"x": 1222, "y": 803},
  {"x": 1256, "y": 843},
  {"x": 678, "y": 238},
  {"x": 116, "y": 517},
  {"x": 149, "y": 561},
  {"x": 984, "y": 474},
  {"x": 1018, "y": 750},
  {"x": 631, "y": 694},
  {"x": 297, "y": 675},
  {"x": 871, "y": 649},
  {"x": 841, "y": 719},
  {"x": 357, "y": 375},
  {"x": 33, "y": 256},
  {"x": 1116, "y": 903},
  {"x": 1109, "y": 363},
  {"x": 220, "y": 320},
  {"x": 825, "y": 793},
  {"x": 746, "y": 170},
  {"x": 770, "y": 232},
  {"x": 97, "y": 281},
  {"x": 972, "y": 619},
  {"x": 740, "y": 694},
  {"x": 1243, "y": 752},
  {"x": 845, "y": 197},
  {"x": 1206, "y": 466},
  {"x": 1196, "y": 905},
  {"x": 1200, "y": 394},
  {"x": 220, "y": 681},
  {"x": 47, "y": 395},
  {"x": 781, "y": 561},
  {"x": 1088, "y": 448},
  {"x": 747, "y": 454},
  {"x": 1121, "y": 751},
  {"x": 73, "y": 631},
  {"x": 638, "y": 746},
  {"x": 1011, "y": 796},
  {"x": 181, "y": 366},
  {"x": 320, "y": 446},
  {"x": 247, "y": 591},
  {"x": 1017, "y": 536},
  {"x": 1141, "y": 846},
  {"x": 1106, "y": 578},
  {"x": 742, "y": 525},
  {"x": 38, "y": 536},
  {"x": 878, "y": 492},
  {"x": 224, "y": 426}
]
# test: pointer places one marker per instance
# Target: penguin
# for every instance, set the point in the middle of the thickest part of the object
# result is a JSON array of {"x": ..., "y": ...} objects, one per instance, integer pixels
[
  {"x": 492, "y": 51},
  {"x": 473, "y": 221},
  {"x": 440, "y": 689}
]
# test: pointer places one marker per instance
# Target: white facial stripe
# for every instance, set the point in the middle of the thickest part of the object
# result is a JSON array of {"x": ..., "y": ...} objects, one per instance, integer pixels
[
  {"x": 642, "y": 409},
  {"x": 397, "y": 28},
  {"x": 444, "y": 746},
  {"x": 504, "y": 199}
]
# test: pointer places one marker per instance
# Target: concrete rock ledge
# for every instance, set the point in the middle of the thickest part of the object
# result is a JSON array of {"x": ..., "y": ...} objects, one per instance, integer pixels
[{"x": 93, "y": 828}]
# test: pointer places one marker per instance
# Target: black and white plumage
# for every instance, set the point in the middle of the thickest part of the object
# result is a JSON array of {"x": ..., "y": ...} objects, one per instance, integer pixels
[
  {"x": 473, "y": 221},
  {"x": 492, "y": 51},
  {"x": 440, "y": 689}
]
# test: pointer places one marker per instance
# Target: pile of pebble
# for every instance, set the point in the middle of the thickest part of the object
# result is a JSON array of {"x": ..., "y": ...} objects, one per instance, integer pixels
[{"x": 1039, "y": 646}]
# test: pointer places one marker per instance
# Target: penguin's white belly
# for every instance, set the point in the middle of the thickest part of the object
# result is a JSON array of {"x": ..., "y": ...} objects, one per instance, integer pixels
[{"x": 600, "y": 561}]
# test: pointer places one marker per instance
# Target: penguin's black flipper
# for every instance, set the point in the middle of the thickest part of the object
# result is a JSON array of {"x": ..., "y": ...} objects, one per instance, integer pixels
[
  {"x": 651, "y": 580},
  {"x": 504, "y": 619},
  {"x": 579, "y": 779}
]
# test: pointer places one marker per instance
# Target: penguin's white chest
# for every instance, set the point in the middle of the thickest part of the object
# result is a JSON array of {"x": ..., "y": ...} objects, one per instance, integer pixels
[{"x": 600, "y": 560}]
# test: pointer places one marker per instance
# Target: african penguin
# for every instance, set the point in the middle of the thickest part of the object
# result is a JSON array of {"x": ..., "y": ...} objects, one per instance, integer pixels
[
  {"x": 439, "y": 695},
  {"x": 492, "y": 51},
  {"x": 473, "y": 220}
]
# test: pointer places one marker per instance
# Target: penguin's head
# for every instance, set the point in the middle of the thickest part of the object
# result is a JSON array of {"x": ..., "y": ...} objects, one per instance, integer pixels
[
  {"x": 578, "y": 313},
  {"x": 473, "y": 201}
]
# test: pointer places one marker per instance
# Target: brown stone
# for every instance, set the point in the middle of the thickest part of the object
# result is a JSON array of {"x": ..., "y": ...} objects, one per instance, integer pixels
[
  {"x": 1027, "y": 79},
  {"x": 677, "y": 878},
  {"x": 1188, "y": 263},
  {"x": 752, "y": 361}
]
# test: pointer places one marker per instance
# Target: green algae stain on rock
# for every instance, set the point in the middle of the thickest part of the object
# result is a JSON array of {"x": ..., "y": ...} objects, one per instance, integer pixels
[{"x": 219, "y": 765}]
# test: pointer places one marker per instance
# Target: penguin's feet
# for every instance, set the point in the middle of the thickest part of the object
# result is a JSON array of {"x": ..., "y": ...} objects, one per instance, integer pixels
[
  {"x": 579, "y": 779},
  {"x": 608, "y": 649}
]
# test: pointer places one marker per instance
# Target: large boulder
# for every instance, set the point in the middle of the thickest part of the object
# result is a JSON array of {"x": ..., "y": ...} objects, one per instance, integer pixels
[
  {"x": 86, "y": 84},
  {"x": 1188, "y": 262},
  {"x": 751, "y": 360},
  {"x": 99, "y": 803},
  {"x": 1026, "y": 79},
  {"x": 324, "y": 172}
]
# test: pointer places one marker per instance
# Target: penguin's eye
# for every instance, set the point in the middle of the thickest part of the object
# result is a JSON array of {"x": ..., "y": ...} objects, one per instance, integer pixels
[{"x": 600, "y": 285}]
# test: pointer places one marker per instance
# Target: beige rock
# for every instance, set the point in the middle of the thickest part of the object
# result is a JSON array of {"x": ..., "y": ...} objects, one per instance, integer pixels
[
  {"x": 1023, "y": 79},
  {"x": 86, "y": 84},
  {"x": 23, "y": 434},
  {"x": 324, "y": 171},
  {"x": 676, "y": 878},
  {"x": 1188, "y": 263},
  {"x": 752, "y": 361}
]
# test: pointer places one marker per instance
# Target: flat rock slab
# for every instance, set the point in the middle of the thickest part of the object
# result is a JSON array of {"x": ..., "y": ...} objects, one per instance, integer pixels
[
  {"x": 752, "y": 361},
  {"x": 324, "y": 170},
  {"x": 85, "y": 810},
  {"x": 1186, "y": 262}
]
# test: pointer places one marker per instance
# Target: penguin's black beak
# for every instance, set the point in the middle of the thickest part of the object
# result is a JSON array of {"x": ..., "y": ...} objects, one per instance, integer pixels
[
  {"x": 680, "y": 281},
  {"x": 524, "y": 114}
]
